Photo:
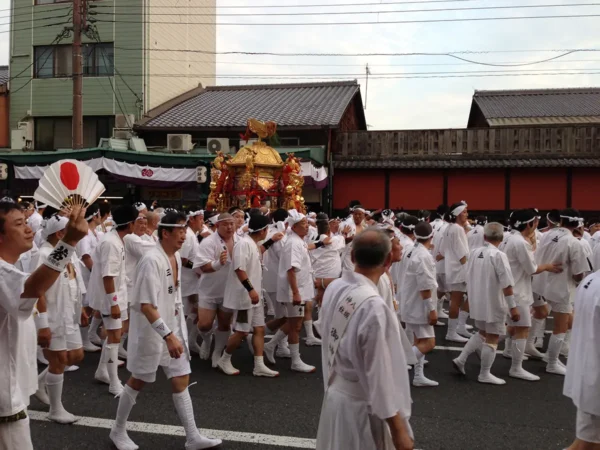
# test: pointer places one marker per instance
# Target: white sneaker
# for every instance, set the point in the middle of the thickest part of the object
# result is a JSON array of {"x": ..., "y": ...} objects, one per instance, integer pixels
[
  {"x": 226, "y": 366},
  {"x": 522, "y": 374},
  {"x": 458, "y": 365},
  {"x": 121, "y": 440},
  {"x": 264, "y": 371},
  {"x": 533, "y": 352},
  {"x": 490, "y": 379},
  {"x": 455, "y": 337},
  {"x": 557, "y": 369},
  {"x": 300, "y": 366},
  {"x": 269, "y": 353},
  {"x": 42, "y": 395},
  {"x": 102, "y": 376},
  {"x": 200, "y": 442},
  {"x": 250, "y": 345},
  {"x": 312, "y": 341},
  {"x": 423, "y": 381},
  {"x": 40, "y": 356},
  {"x": 442, "y": 314},
  {"x": 62, "y": 416},
  {"x": 95, "y": 339},
  {"x": 116, "y": 389},
  {"x": 204, "y": 351},
  {"x": 283, "y": 352},
  {"x": 90, "y": 348}
]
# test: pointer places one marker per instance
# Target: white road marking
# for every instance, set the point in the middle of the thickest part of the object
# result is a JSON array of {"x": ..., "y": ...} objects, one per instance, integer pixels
[{"x": 171, "y": 430}]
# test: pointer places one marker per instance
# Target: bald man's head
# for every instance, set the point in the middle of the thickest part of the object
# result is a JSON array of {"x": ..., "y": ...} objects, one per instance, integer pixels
[
  {"x": 370, "y": 249},
  {"x": 152, "y": 219}
]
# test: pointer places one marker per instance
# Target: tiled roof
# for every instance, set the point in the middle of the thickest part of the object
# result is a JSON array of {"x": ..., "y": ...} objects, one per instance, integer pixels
[
  {"x": 466, "y": 163},
  {"x": 539, "y": 103},
  {"x": 306, "y": 104},
  {"x": 4, "y": 75}
]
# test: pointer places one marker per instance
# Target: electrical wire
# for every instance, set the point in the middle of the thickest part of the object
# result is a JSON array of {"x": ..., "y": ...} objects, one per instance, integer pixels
[
  {"x": 66, "y": 6},
  {"x": 35, "y": 27}
]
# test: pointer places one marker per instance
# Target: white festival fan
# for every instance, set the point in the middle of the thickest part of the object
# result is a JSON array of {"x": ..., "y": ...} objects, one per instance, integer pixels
[{"x": 68, "y": 183}]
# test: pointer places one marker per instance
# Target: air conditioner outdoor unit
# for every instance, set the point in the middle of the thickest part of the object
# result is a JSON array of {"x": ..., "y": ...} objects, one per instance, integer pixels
[
  {"x": 120, "y": 133},
  {"x": 201, "y": 174},
  {"x": 124, "y": 120},
  {"x": 18, "y": 139},
  {"x": 215, "y": 145},
  {"x": 179, "y": 143},
  {"x": 137, "y": 144},
  {"x": 28, "y": 127}
]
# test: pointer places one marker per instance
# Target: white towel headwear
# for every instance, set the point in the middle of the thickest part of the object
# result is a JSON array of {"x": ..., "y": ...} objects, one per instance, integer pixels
[
  {"x": 53, "y": 225},
  {"x": 294, "y": 217}
]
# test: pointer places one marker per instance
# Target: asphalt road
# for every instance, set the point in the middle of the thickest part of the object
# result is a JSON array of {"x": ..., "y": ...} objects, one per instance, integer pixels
[{"x": 459, "y": 414}]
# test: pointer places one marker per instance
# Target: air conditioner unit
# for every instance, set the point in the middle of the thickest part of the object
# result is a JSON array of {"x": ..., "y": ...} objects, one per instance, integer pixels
[
  {"x": 215, "y": 145},
  {"x": 201, "y": 174},
  {"x": 137, "y": 144},
  {"x": 18, "y": 139},
  {"x": 179, "y": 143},
  {"x": 28, "y": 127},
  {"x": 124, "y": 120},
  {"x": 4, "y": 172},
  {"x": 122, "y": 133}
]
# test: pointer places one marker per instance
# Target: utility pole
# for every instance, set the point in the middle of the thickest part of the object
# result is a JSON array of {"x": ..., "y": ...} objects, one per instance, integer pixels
[
  {"x": 79, "y": 22},
  {"x": 368, "y": 72}
]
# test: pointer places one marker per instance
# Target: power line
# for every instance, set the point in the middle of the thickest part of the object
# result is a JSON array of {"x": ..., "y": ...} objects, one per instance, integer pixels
[
  {"x": 28, "y": 14},
  {"x": 337, "y": 13},
  {"x": 35, "y": 27}
]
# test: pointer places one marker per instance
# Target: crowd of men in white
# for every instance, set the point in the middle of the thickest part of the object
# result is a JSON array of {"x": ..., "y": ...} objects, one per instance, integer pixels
[{"x": 154, "y": 282}]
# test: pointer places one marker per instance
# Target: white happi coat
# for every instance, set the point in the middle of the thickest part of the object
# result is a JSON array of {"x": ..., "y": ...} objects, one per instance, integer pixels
[
  {"x": 475, "y": 237},
  {"x": 271, "y": 258},
  {"x": 189, "y": 279},
  {"x": 86, "y": 246},
  {"x": 35, "y": 221},
  {"x": 295, "y": 255},
  {"x": 327, "y": 260},
  {"x": 438, "y": 247},
  {"x": 419, "y": 276},
  {"x": 456, "y": 246},
  {"x": 595, "y": 240},
  {"x": 582, "y": 382},
  {"x": 488, "y": 273},
  {"x": 212, "y": 285},
  {"x": 347, "y": 263},
  {"x": 14, "y": 310},
  {"x": 589, "y": 254},
  {"x": 398, "y": 270},
  {"x": 109, "y": 261},
  {"x": 246, "y": 257},
  {"x": 559, "y": 246},
  {"x": 63, "y": 298},
  {"x": 135, "y": 248},
  {"x": 368, "y": 381},
  {"x": 596, "y": 257},
  {"x": 155, "y": 284},
  {"x": 522, "y": 266}
]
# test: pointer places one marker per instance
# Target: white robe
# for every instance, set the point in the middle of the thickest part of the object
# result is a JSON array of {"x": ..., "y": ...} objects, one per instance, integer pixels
[
  {"x": 475, "y": 237},
  {"x": 246, "y": 257},
  {"x": 419, "y": 276},
  {"x": 295, "y": 255},
  {"x": 135, "y": 248},
  {"x": 14, "y": 310},
  {"x": 456, "y": 246},
  {"x": 582, "y": 382},
  {"x": 189, "y": 279},
  {"x": 156, "y": 285},
  {"x": 212, "y": 284},
  {"x": 271, "y": 259},
  {"x": 522, "y": 266},
  {"x": 86, "y": 246},
  {"x": 369, "y": 362},
  {"x": 327, "y": 260},
  {"x": 488, "y": 273},
  {"x": 596, "y": 258}
]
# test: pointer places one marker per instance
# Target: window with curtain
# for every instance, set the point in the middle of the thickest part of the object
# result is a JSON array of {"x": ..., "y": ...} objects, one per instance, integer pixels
[
  {"x": 52, "y": 133},
  {"x": 56, "y": 61}
]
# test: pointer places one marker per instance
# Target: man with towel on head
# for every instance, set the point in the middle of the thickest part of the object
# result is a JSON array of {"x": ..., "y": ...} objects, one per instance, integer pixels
[
  {"x": 367, "y": 401},
  {"x": 356, "y": 222}
]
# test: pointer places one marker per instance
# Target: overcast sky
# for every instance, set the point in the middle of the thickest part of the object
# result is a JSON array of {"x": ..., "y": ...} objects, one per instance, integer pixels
[{"x": 417, "y": 102}]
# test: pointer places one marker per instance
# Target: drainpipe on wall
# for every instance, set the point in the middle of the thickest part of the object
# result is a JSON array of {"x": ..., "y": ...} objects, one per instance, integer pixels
[{"x": 329, "y": 160}]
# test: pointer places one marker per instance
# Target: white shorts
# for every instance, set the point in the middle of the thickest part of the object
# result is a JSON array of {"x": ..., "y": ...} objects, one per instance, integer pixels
[
  {"x": 115, "y": 324},
  {"x": 213, "y": 304},
  {"x": 421, "y": 331},
  {"x": 171, "y": 367},
  {"x": 538, "y": 300},
  {"x": 587, "y": 427},
  {"x": 189, "y": 303},
  {"x": 69, "y": 341},
  {"x": 565, "y": 308},
  {"x": 279, "y": 309},
  {"x": 15, "y": 435},
  {"x": 498, "y": 328},
  {"x": 246, "y": 320},
  {"x": 441, "y": 281},
  {"x": 290, "y": 310},
  {"x": 524, "y": 320},
  {"x": 458, "y": 287}
]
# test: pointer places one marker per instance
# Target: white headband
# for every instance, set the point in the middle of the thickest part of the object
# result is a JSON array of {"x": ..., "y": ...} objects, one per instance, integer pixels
[
  {"x": 223, "y": 220},
  {"x": 213, "y": 220},
  {"x": 88, "y": 218},
  {"x": 573, "y": 219},
  {"x": 252, "y": 230},
  {"x": 125, "y": 223},
  {"x": 456, "y": 211},
  {"x": 195, "y": 213},
  {"x": 425, "y": 237},
  {"x": 7, "y": 200},
  {"x": 408, "y": 227},
  {"x": 53, "y": 225},
  {"x": 172, "y": 225},
  {"x": 294, "y": 217},
  {"x": 359, "y": 209},
  {"x": 518, "y": 223}
]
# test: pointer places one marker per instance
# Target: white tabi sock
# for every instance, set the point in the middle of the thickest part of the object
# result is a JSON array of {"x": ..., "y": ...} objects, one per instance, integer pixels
[
  {"x": 488, "y": 355},
  {"x": 221, "y": 338},
  {"x": 534, "y": 331},
  {"x": 94, "y": 325},
  {"x": 259, "y": 361},
  {"x": 420, "y": 358},
  {"x": 185, "y": 411},
  {"x": 295, "y": 353},
  {"x": 42, "y": 376},
  {"x": 554, "y": 346},
  {"x": 126, "y": 402},
  {"x": 462, "y": 318},
  {"x": 112, "y": 363},
  {"x": 518, "y": 352},
  {"x": 452, "y": 325},
  {"x": 475, "y": 342},
  {"x": 205, "y": 334},
  {"x": 276, "y": 339},
  {"x": 308, "y": 328},
  {"x": 54, "y": 385}
]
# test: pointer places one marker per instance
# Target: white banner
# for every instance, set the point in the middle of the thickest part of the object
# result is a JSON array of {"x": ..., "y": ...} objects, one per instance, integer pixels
[
  {"x": 177, "y": 175},
  {"x": 308, "y": 170}
]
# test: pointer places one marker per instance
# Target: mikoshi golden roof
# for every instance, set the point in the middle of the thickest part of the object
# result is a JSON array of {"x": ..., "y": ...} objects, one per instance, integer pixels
[{"x": 262, "y": 156}]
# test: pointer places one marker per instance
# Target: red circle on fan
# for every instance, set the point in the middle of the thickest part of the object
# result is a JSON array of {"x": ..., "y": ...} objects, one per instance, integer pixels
[{"x": 69, "y": 175}]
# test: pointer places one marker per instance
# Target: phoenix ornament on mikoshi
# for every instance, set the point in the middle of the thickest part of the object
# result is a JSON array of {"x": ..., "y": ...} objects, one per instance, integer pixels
[{"x": 69, "y": 183}]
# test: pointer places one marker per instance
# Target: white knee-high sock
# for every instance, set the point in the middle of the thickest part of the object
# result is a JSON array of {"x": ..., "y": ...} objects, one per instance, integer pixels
[
  {"x": 420, "y": 358},
  {"x": 474, "y": 343},
  {"x": 276, "y": 339},
  {"x": 123, "y": 339},
  {"x": 554, "y": 346},
  {"x": 488, "y": 355},
  {"x": 536, "y": 325},
  {"x": 185, "y": 411},
  {"x": 95, "y": 325},
  {"x": 308, "y": 328},
  {"x": 221, "y": 338},
  {"x": 462, "y": 318},
  {"x": 42, "y": 376},
  {"x": 295, "y": 353},
  {"x": 518, "y": 352},
  {"x": 126, "y": 402},
  {"x": 54, "y": 384},
  {"x": 112, "y": 363},
  {"x": 85, "y": 337}
]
